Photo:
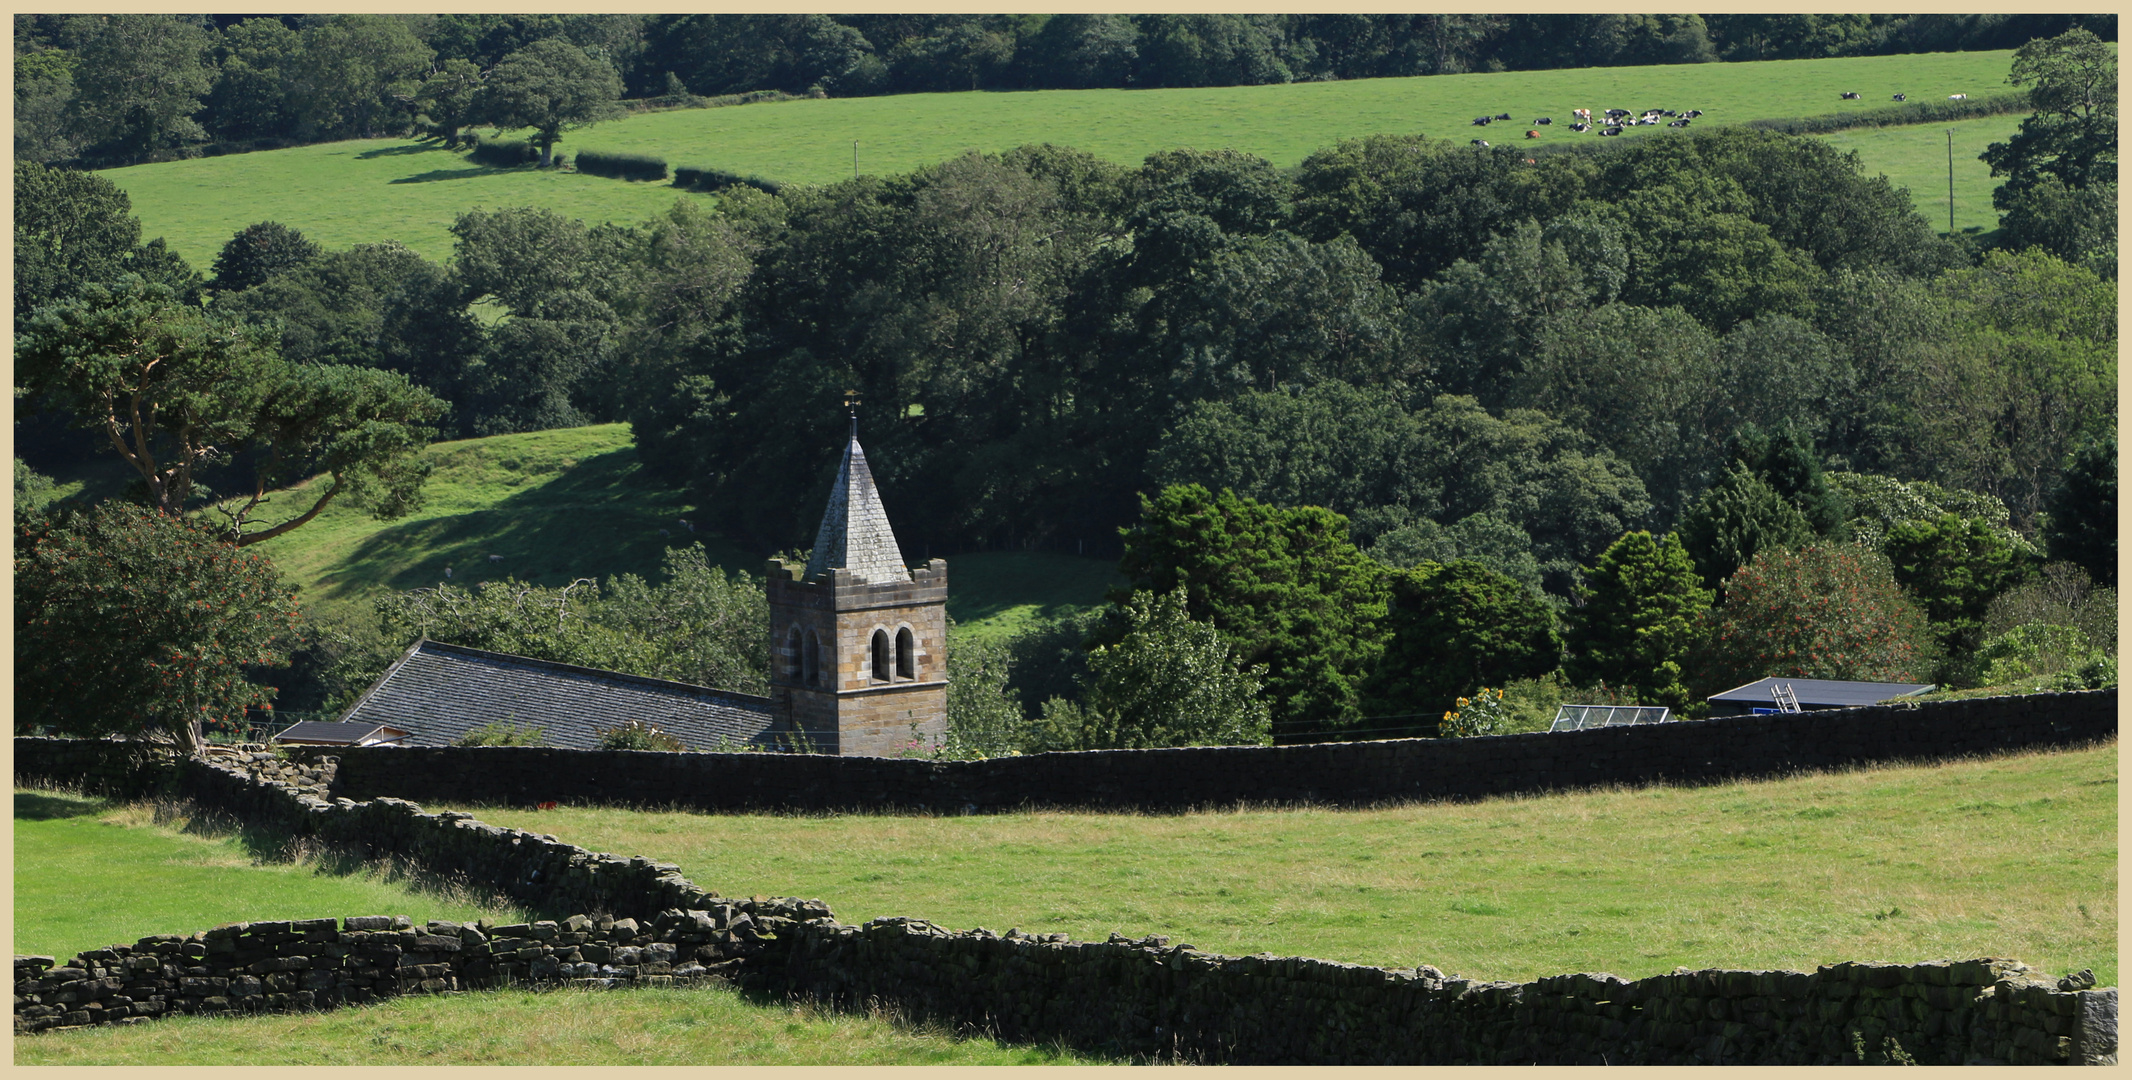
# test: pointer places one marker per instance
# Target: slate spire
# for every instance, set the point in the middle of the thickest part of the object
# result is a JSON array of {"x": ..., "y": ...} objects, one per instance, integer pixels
[{"x": 855, "y": 535}]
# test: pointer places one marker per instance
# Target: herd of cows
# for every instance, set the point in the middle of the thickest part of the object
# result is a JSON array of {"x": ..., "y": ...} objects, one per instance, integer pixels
[{"x": 1615, "y": 120}]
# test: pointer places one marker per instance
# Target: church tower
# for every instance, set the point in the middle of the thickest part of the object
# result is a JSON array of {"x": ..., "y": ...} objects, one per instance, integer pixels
[{"x": 858, "y": 642}]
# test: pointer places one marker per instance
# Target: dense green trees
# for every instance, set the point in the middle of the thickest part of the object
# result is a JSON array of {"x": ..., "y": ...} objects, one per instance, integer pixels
[
  {"x": 2082, "y": 528},
  {"x": 1643, "y": 612},
  {"x": 1286, "y": 586},
  {"x": 259, "y": 252},
  {"x": 1452, "y": 628},
  {"x": 73, "y": 229},
  {"x": 1822, "y": 611},
  {"x": 135, "y": 623},
  {"x": 1166, "y": 679},
  {"x": 550, "y": 86}
]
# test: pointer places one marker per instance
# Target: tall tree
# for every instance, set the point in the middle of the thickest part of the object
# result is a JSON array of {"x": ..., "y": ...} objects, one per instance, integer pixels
[
  {"x": 1453, "y": 628},
  {"x": 1287, "y": 586},
  {"x": 176, "y": 390},
  {"x": 2082, "y": 528},
  {"x": 1824, "y": 611},
  {"x": 1643, "y": 611},
  {"x": 71, "y": 229},
  {"x": 1168, "y": 680},
  {"x": 550, "y": 86},
  {"x": 1738, "y": 516},
  {"x": 1955, "y": 567},
  {"x": 139, "y": 82},
  {"x": 357, "y": 77},
  {"x": 257, "y": 253},
  {"x": 129, "y": 622},
  {"x": 2072, "y": 135}
]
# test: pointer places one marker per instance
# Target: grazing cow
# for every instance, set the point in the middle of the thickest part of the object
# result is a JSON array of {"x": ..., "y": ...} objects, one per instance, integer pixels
[
  {"x": 1610, "y": 131},
  {"x": 1502, "y": 116},
  {"x": 1545, "y": 120},
  {"x": 1532, "y": 134},
  {"x": 1580, "y": 127},
  {"x": 1678, "y": 123},
  {"x": 1612, "y": 113},
  {"x": 1902, "y": 97},
  {"x": 1480, "y": 142},
  {"x": 1483, "y": 121},
  {"x": 1958, "y": 97},
  {"x": 1692, "y": 113},
  {"x": 1584, "y": 115},
  {"x": 1850, "y": 97}
]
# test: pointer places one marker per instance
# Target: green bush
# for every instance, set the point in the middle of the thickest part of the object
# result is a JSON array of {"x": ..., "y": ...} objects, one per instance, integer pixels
[
  {"x": 1485, "y": 713},
  {"x": 621, "y": 166},
  {"x": 638, "y": 735},
  {"x": 502, "y": 153},
  {"x": 2034, "y": 651},
  {"x": 695, "y": 179},
  {"x": 499, "y": 733}
]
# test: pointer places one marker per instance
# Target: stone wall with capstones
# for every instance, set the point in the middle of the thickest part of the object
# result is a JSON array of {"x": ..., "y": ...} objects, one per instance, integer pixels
[
  {"x": 1353, "y": 773},
  {"x": 1141, "y": 997}
]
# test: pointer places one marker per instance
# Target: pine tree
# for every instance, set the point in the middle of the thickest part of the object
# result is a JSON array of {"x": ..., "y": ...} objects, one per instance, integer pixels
[{"x": 1643, "y": 610}]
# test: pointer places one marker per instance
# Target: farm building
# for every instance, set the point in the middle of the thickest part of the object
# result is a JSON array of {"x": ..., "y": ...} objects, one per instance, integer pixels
[
  {"x": 340, "y": 733},
  {"x": 1761, "y": 695},
  {"x": 437, "y": 693},
  {"x": 858, "y": 659}
]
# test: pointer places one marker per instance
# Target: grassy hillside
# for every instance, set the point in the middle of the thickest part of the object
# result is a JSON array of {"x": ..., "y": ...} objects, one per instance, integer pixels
[
  {"x": 1916, "y": 158},
  {"x": 351, "y": 192},
  {"x": 552, "y": 506},
  {"x": 2014, "y": 857}
]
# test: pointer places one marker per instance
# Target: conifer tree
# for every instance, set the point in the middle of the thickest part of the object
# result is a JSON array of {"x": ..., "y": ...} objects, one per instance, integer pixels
[{"x": 1643, "y": 610}]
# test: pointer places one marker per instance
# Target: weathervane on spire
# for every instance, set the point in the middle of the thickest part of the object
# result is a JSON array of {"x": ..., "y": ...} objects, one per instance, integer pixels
[{"x": 851, "y": 405}]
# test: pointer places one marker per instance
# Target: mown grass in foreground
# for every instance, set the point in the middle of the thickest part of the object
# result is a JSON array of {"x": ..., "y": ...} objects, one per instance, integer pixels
[
  {"x": 347, "y": 193},
  {"x": 89, "y": 873},
  {"x": 2011, "y": 857},
  {"x": 696, "y": 1026}
]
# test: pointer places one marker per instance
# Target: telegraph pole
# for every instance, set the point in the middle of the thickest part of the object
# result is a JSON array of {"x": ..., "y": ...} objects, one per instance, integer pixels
[
  {"x": 1950, "y": 181},
  {"x": 855, "y": 159}
]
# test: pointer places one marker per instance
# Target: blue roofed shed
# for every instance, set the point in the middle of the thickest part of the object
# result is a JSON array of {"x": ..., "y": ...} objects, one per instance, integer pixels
[{"x": 1760, "y": 695}]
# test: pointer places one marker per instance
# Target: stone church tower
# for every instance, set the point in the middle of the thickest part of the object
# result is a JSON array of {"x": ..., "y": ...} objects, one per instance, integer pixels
[{"x": 858, "y": 642}]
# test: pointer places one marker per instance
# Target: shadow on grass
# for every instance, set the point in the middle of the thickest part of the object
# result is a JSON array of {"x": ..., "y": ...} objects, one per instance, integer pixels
[
  {"x": 31, "y": 806},
  {"x": 474, "y": 172},
  {"x": 399, "y": 151},
  {"x": 270, "y": 845},
  {"x": 597, "y": 519}
]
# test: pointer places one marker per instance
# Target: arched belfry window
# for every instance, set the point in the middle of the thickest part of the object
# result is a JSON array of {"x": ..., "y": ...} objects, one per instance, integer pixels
[
  {"x": 906, "y": 654},
  {"x": 811, "y": 660},
  {"x": 792, "y": 655},
  {"x": 880, "y": 655}
]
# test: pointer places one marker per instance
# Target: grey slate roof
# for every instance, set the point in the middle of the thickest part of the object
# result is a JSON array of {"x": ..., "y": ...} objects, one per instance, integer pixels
[
  {"x": 855, "y": 535},
  {"x": 1820, "y": 693},
  {"x": 338, "y": 732},
  {"x": 440, "y": 692}
]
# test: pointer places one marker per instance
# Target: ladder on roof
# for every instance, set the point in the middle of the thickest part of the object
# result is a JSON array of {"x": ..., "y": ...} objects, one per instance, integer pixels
[{"x": 1786, "y": 700}]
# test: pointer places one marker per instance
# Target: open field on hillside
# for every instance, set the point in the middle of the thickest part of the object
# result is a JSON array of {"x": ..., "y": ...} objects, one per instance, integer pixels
[
  {"x": 89, "y": 874},
  {"x": 352, "y": 192},
  {"x": 574, "y": 502},
  {"x": 518, "y": 1027},
  {"x": 2010, "y": 857},
  {"x": 1915, "y": 157}
]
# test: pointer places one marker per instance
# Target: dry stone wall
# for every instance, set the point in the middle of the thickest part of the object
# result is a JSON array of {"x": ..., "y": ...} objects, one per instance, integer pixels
[
  {"x": 642, "y": 923},
  {"x": 1356, "y": 773}
]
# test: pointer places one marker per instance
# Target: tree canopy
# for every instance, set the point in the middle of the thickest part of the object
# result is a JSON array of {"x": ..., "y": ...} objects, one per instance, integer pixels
[
  {"x": 550, "y": 86},
  {"x": 135, "y": 623}
]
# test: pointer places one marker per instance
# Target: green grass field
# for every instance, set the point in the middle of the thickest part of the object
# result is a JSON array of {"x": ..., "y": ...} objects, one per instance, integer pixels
[
  {"x": 1916, "y": 158},
  {"x": 714, "y": 1026},
  {"x": 574, "y": 502},
  {"x": 2010, "y": 857},
  {"x": 90, "y": 874},
  {"x": 352, "y": 192}
]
